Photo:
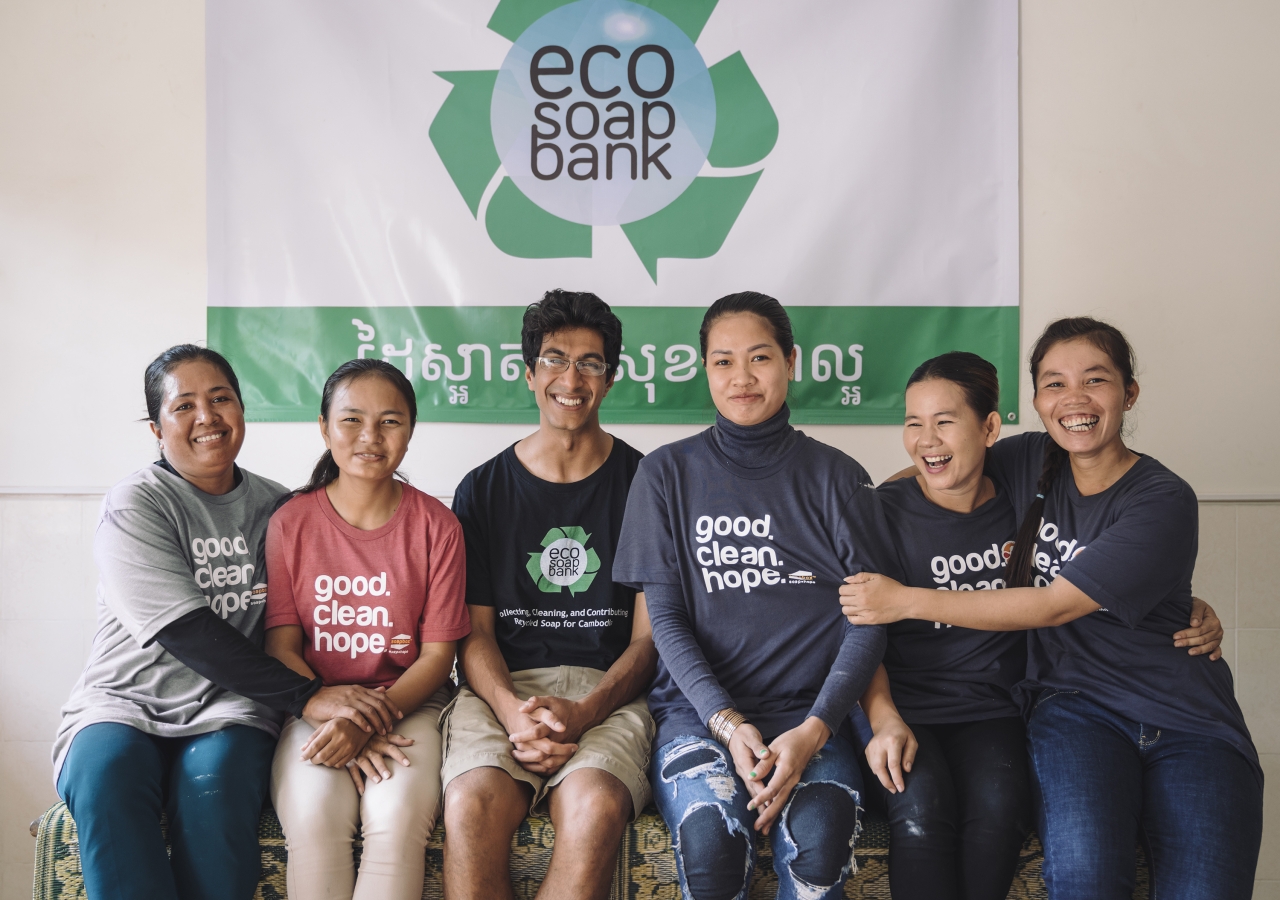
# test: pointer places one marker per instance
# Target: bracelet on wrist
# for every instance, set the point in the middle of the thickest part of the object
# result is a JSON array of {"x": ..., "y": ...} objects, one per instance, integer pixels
[{"x": 724, "y": 723}]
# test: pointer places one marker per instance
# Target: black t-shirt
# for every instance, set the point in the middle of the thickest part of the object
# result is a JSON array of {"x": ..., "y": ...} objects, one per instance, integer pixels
[
  {"x": 1131, "y": 549},
  {"x": 541, "y": 554},
  {"x": 759, "y": 555},
  {"x": 940, "y": 674}
]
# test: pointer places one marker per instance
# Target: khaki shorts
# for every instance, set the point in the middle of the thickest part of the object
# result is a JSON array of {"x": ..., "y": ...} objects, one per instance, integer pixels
[{"x": 473, "y": 736}]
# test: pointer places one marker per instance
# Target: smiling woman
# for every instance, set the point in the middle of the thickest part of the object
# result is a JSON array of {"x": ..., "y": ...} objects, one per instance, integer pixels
[
  {"x": 178, "y": 706},
  {"x": 1127, "y": 731},
  {"x": 367, "y": 580},
  {"x": 739, "y": 536}
]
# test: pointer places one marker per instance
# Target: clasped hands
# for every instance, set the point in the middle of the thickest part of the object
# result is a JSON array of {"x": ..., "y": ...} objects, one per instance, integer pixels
[
  {"x": 785, "y": 758},
  {"x": 544, "y": 732},
  {"x": 354, "y": 732}
]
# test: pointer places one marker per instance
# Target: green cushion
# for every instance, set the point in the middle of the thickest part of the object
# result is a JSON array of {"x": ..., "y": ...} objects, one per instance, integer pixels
[{"x": 646, "y": 868}]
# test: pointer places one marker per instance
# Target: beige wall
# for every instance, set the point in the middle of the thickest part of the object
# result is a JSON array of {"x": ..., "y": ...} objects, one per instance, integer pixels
[{"x": 1151, "y": 196}]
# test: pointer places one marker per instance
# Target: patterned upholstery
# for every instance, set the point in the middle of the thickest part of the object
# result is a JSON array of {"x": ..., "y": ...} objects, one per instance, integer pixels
[{"x": 646, "y": 866}]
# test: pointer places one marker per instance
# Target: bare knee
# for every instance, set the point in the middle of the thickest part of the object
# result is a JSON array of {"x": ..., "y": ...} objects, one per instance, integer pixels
[
  {"x": 590, "y": 802},
  {"x": 485, "y": 802},
  {"x": 821, "y": 821}
]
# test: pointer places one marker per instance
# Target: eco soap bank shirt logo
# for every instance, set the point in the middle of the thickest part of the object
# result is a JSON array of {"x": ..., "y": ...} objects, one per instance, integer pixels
[
  {"x": 565, "y": 561},
  {"x": 605, "y": 113}
]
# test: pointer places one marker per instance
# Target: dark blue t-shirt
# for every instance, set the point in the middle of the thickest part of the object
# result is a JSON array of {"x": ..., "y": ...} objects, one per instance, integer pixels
[
  {"x": 759, "y": 555},
  {"x": 1131, "y": 549},
  {"x": 541, "y": 554},
  {"x": 940, "y": 674}
]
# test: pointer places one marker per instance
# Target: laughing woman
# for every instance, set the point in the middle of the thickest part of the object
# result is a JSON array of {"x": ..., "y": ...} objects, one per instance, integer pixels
[
  {"x": 739, "y": 537},
  {"x": 959, "y": 814},
  {"x": 1129, "y": 736},
  {"x": 178, "y": 708}
]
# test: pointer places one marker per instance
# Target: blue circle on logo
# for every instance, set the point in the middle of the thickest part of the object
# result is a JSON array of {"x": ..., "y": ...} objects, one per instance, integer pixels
[{"x": 603, "y": 112}]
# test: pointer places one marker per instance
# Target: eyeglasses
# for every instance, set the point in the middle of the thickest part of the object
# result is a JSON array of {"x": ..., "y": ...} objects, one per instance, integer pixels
[{"x": 591, "y": 367}]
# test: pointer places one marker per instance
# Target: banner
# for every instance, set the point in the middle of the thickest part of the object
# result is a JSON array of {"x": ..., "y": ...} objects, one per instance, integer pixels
[{"x": 398, "y": 180}]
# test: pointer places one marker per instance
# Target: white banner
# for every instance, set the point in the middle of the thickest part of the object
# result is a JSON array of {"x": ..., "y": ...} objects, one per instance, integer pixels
[{"x": 376, "y": 155}]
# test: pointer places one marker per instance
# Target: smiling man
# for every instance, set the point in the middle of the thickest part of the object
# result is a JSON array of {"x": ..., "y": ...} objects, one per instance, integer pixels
[{"x": 559, "y": 657}]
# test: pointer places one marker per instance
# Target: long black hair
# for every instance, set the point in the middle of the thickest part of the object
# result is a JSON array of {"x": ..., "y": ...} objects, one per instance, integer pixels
[
  {"x": 1110, "y": 341},
  {"x": 326, "y": 471},
  {"x": 969, "y": 372},
  {"x": 762, "y": 305},
  {"x": 164, "y": 364}
]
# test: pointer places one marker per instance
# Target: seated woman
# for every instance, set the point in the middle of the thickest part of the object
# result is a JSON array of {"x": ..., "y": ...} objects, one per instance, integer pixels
[
  {"x": 178, "y": 708},
  {"x": 959, "y": 818},
  {"x": 739, "y": 537},
  {"x": 368, "y": 581},
  {"x": 1129, "y": 736},
  {"x": 959, "y": 815}
]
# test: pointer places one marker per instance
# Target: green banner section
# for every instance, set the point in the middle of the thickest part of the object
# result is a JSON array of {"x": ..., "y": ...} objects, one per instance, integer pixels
[{"x": 466, "y": 365}]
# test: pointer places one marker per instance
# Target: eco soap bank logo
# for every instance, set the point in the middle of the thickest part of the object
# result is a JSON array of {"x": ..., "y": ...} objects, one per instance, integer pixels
[
  {"x": 605, "y": 113},
  {"x": 565, "y": 561}
]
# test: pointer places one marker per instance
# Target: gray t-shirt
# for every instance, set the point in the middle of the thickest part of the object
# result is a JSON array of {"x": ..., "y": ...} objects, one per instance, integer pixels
[{"x": 163, "y": 549}]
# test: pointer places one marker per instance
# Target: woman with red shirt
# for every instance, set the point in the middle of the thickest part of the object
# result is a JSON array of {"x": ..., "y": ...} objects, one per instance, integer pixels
[{"x": 367, "y": 587}]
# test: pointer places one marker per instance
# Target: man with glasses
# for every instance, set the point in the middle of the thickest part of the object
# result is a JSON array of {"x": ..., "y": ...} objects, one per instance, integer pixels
[{"x": 559, "y": 659}]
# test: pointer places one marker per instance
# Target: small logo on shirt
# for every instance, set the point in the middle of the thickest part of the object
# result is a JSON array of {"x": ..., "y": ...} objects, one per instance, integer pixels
[
  {"x": 1006, "y": 551},
  {"x": 801, "y": 577},
  {"x": 401, "y": 643},
  {"x": 565, "y": 561}
]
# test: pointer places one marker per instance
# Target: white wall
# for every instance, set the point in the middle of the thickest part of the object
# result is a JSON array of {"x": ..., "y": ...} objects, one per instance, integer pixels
[{"x": 1151, "y": 196}]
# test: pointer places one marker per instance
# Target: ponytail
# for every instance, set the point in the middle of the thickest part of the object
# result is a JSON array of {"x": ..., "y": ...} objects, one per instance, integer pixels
[
  {"x": 324, "y": 474},
  {"x": 1024, "y": 545}
]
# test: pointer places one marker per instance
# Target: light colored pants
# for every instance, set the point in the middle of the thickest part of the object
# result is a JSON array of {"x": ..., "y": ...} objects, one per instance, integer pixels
[
  {"x": 321, "y": 811},
  {"x": 619, "y": 745}
]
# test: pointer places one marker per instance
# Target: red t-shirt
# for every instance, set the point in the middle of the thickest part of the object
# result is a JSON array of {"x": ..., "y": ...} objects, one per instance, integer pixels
[{"x": 366, "y": 600}]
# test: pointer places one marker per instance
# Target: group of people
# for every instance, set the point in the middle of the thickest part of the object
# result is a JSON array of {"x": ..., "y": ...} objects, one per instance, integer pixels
[{"x": 739, "y": 627}]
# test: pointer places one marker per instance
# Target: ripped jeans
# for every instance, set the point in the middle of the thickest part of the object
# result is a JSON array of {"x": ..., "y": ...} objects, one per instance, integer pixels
[{"x": 704, "y": 804}]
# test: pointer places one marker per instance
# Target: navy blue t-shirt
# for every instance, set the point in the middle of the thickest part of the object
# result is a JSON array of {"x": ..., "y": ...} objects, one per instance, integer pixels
[
  {"x": 541, "y": 553},
  {"x": 1131, "y": 549},
  {"x": 940, "y": 674},
  {"x": 758, "y": 555}
]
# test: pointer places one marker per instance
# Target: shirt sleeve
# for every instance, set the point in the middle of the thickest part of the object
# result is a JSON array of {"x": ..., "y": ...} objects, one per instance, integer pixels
[
  {"x": 282, "y": 606},
  {"x": 1142, "y": 557},
  {"x": 646, "y": 546},
  {"x": 866, "y": 541},
  {"x": 444, "y": 615},
  {"x": 673, "y": 636},
  {"x": 214, "y": 650},
  {"x": 860, "y": 654},
  {"x": 147, "y": 581},
  {"x": 479, "y": 589},
  {"x": 1015, "y": 463}
]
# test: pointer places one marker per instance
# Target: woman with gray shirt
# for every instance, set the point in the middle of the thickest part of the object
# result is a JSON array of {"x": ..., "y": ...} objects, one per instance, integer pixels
[{"x": 178, "y": 708}]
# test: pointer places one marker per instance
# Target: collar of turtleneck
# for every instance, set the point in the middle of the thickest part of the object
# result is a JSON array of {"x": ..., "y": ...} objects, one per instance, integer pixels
[{"x": 755, "y": 447}]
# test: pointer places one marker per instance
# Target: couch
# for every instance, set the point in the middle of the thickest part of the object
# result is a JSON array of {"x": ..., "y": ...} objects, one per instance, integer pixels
[{"x": 646, "y": 868}]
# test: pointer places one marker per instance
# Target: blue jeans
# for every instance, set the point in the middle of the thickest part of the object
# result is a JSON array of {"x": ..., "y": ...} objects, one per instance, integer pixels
[
  {"x": 1103, "y": 782},
  {"x": 704, "y": 804},
  {"x": 117, "y": 780}
]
